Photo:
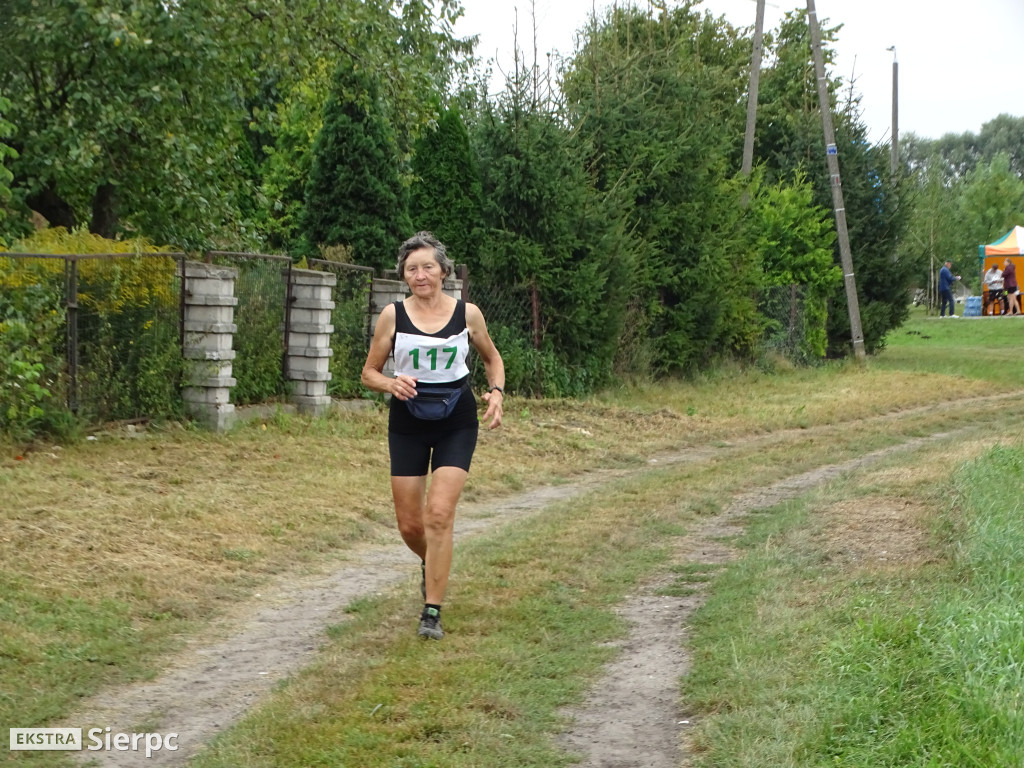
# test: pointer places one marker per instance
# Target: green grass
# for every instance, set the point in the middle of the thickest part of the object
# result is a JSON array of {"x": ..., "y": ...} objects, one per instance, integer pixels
[
  {"x": 529, "y": 625},
  {"x": 802, "y": 663},
  {"x": 798, "y": 659},
  {"x": 986, "y": 348},
  {"x": 527, "y": 631}
]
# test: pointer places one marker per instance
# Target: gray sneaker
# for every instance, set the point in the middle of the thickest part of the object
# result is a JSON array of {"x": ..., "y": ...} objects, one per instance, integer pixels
[{"x": 430, "y": 624}]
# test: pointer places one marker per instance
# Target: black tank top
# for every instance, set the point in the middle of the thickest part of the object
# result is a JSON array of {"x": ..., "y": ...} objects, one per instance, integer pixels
[{"x": 464, "y": 415}]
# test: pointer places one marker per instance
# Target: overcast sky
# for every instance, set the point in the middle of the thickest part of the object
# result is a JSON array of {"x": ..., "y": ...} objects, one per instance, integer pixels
[{"x": 960, "y": 63}]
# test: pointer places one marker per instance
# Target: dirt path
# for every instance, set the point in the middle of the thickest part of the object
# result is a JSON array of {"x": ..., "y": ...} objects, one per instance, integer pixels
[
  {"x": 209, "y": 687},
  {"x": 634, "y": 718}
]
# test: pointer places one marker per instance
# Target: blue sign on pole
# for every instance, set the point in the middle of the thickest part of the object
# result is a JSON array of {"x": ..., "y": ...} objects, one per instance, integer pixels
[{"x": 832, "y": 149}]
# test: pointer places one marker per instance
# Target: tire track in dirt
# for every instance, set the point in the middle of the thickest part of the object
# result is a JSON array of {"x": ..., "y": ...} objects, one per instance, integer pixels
[
  {"x": 633, "y": 716},
  {"x": 210, "y": 686}
]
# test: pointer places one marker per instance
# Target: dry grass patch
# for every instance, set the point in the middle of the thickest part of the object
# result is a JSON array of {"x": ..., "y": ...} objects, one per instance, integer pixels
[
  {"x": 177, "y": 523},
  {"x": 877, "y": 533},
  {"x": 732, "y": 402}
]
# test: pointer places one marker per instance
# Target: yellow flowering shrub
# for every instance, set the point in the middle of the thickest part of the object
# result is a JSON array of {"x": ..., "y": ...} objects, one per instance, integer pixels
[
  {"x": 127, "y": 330},
  {"x": 139, "y": 282}
]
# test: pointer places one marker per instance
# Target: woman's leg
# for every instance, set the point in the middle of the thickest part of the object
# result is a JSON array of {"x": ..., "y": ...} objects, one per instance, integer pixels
[
  {"x": 446, "y": 484},
  {"x": 409, "y": 494}
]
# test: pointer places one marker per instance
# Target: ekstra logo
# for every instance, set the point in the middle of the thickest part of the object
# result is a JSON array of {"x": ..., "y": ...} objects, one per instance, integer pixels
[{"x": 46, "y": 739}]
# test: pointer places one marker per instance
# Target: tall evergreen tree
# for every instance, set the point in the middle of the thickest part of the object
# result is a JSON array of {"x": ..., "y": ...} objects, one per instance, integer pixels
[
  {"x": 658, "y": 98},
  {"x": 355, "y": 196},
  {"x": 551, "y": 234},
  {"x": 446, "y": 193}
]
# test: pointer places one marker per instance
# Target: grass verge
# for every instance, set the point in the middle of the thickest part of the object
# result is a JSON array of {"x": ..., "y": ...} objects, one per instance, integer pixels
[{"x": 902, "y": 656}]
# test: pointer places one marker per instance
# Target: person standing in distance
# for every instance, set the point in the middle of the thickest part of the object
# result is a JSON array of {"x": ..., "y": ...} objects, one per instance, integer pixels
[
  {"x": 946, "y": 280},
  {"x": 1011, "y": 288},
  {"x": 994, "y": 282},
  {"x": 432, "y": 422}
]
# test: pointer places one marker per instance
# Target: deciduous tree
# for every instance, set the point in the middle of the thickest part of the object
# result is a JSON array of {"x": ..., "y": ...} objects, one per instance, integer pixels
[{"x": 135, "y": 115}]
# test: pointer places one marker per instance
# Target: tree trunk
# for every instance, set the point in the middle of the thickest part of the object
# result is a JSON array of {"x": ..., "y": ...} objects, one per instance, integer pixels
[
  {"x": 53, "y": 208},
  {"x": 535, "y": 306},
  {"x": 104, "y": 211}
]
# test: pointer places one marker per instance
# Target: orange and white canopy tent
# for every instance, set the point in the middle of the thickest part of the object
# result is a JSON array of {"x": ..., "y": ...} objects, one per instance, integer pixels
[{"x": 1010, "y": 244}]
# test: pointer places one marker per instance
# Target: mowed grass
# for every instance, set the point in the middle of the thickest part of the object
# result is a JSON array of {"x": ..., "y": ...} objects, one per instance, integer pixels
[
  {"x": 113, "y": 552},
  {"x": 894, "y": 642},
  {"x": 976, "y": 348}
]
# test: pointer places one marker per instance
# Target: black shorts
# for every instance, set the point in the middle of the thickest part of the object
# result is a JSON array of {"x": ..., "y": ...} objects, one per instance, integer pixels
[{"x": 412, "y": 454}]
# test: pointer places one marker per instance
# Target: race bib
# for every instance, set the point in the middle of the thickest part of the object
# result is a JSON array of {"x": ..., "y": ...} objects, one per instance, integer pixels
[{"x": 432, "y": 360}]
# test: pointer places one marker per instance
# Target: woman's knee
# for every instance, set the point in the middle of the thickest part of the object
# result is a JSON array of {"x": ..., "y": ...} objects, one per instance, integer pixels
[
  {"x": 409, "y": 526},
  {"x": 439, "y": 518}
]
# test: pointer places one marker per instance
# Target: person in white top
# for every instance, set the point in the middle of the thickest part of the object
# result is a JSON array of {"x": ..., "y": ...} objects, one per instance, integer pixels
[
  {"x": 433, "y": 420},
  {"x": 994, "y": 282}
]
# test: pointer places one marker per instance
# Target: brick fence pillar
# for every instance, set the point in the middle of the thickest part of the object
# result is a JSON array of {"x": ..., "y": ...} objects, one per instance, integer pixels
[
  {"x": 308, "y": 345},
  {"x": 209, "y": 334}
]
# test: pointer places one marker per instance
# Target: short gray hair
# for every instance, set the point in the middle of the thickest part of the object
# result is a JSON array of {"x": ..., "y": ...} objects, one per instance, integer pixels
[{"x": 425, "y": 240}]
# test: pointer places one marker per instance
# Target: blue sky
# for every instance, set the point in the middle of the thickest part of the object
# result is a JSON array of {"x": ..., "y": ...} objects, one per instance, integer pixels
[{"x": 960, "y": 64}]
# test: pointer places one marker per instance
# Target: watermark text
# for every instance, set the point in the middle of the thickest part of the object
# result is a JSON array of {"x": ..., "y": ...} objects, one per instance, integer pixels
[{"x": 95, "y": 739}]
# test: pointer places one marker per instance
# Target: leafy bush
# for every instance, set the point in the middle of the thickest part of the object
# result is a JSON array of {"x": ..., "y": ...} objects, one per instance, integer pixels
[
  {"x": 128, "y": 345},
  {"x": 535, "y": 372},
  {"x": 259, "y": 341},
  {"x": 31, "y": 322}
]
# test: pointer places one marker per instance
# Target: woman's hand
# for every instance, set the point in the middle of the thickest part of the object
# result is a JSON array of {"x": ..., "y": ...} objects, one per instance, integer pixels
[
  {"x": 403, "y": 387},
  {"x": 494, "y": 400}
]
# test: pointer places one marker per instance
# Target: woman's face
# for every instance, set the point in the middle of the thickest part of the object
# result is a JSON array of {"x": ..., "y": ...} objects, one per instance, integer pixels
[{"x": 422, "y": 272}]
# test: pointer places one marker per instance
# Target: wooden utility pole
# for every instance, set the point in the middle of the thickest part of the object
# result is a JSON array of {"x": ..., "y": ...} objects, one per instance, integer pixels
[
  {"x": 832, "y": 158},
  {"x": 755, "y": 79}
]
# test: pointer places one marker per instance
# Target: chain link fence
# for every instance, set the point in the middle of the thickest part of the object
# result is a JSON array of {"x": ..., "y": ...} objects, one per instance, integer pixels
[
  {"x": 507, "y": 309},
  {"x": 783, "y": 309},
  {"x": 261, "y": 291},
  {"x": 100, "y": 333},
  {"x": 350, "y": 317}
]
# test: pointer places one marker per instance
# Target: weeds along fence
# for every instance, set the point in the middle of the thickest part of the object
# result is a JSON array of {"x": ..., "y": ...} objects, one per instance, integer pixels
[
  {"x": 101, "y": 336},
  {"x": 99, "y": 333},
  {"x": 788, "y": 329}
]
